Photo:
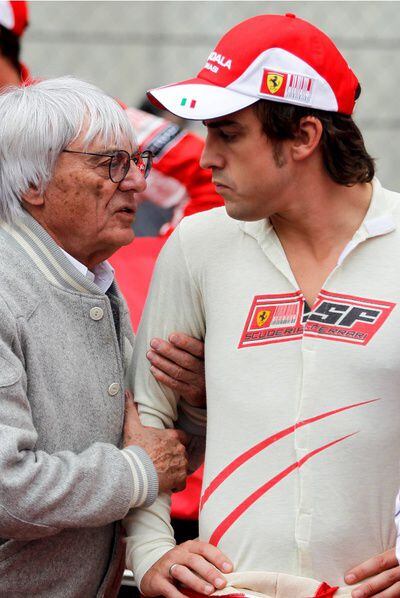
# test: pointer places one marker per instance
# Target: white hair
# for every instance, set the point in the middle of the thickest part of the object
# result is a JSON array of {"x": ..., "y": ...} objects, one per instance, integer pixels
[{"x": 38, "y": 121}]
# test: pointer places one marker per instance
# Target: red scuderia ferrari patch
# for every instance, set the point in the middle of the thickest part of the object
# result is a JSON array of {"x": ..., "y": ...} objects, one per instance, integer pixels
[
  {"x": 337, "y": 317},
  {"x": 272, "y": 319}
]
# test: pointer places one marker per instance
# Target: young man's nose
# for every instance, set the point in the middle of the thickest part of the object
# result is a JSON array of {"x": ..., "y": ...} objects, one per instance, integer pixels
[{"x": 210, "y": 157}]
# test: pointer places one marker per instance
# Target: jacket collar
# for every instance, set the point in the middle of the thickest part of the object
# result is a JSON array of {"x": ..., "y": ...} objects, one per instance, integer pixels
[{"x": 35, "y": 242}]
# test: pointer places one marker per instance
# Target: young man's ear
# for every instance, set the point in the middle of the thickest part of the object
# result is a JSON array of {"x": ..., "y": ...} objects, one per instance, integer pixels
[
  {"x": 307, "y": 138},
  {"x": 33, "y": 196}
]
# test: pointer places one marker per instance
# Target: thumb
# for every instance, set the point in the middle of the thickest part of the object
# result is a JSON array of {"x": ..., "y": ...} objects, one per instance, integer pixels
[
  {"x": 183, "y": 437},
  {"x": 131, "y": 411}
]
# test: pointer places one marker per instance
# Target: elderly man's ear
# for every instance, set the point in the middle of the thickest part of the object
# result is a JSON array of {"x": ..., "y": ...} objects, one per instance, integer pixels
[{"x": 33, "y": 196}]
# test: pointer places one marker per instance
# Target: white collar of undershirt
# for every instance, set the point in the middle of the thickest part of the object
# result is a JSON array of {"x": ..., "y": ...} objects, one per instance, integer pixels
[{"x": 102, "y": 275}]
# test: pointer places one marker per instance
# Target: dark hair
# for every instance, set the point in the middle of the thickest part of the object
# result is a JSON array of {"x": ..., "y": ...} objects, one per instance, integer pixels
[
  {"x": 10, "y": 47},
  {"x": 343, "y": 151}
]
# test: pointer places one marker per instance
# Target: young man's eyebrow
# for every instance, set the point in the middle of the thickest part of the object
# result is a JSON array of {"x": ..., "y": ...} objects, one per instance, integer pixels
[{"x": 214, "y": 124}]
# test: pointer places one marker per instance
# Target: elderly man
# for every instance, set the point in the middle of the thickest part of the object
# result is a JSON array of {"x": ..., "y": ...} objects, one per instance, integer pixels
[
  {"x": 177, "y": 182},
  {"x": 69, "y": 172},
  {"x": 295, "y": 290}
]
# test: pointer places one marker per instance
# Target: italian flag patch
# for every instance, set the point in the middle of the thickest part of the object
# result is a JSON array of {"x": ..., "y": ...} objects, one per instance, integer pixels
[{"x": 184, "y": 102}]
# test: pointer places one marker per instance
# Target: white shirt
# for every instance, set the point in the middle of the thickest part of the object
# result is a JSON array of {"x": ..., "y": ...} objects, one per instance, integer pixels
[{"x": 102, "y": 275}]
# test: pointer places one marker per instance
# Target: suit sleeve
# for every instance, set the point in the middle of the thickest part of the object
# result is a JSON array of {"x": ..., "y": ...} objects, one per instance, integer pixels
[{"x": 174, "y": 303}]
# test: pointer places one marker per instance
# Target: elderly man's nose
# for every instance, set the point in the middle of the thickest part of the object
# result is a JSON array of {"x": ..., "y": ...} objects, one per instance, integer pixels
[{"x": 134, "y": 180}]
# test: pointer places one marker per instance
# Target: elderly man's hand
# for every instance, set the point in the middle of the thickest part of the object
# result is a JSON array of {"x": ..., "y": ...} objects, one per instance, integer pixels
[
  {"x": 179, "y": 364},
  {"x": 197, "y": 565},
  {"x": 383, "y": 571},
  {"x": 165, "y": 448}
]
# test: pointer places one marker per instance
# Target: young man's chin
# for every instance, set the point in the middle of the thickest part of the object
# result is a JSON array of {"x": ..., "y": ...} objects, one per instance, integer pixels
[
  {"x": 236, "y": 208},
  {"x": 238, "y": 212}
]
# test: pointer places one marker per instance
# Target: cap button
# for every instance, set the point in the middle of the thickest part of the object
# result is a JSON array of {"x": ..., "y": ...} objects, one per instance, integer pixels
[{"x": 290, "y": 15}]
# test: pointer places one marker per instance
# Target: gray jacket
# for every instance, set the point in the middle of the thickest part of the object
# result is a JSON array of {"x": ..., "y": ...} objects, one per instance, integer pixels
[{"x": 63, "y": 481}]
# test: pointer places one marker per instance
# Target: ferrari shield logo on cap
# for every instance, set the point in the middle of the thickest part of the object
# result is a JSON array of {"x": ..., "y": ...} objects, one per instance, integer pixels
[{"x": 274, "y": 82}]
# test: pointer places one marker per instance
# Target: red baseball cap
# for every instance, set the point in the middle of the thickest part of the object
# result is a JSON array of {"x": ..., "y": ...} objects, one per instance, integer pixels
[
  {"x": 14, "y": 15},
  {"x": 270, "y": 57}
]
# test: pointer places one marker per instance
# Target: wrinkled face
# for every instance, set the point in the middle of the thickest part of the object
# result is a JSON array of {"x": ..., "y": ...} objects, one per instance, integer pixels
[
  {"x": 248, "y": 171},
  {"x": 84, "y": 211}
]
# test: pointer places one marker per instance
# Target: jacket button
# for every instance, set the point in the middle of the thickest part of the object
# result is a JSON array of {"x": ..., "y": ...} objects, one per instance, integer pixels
[
  {"x": 96, "y": 313},
  {"x": 113, "y": 389}
]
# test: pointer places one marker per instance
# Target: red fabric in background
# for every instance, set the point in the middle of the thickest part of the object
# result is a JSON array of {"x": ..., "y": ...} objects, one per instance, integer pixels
[{"x": 133, "y": 266}]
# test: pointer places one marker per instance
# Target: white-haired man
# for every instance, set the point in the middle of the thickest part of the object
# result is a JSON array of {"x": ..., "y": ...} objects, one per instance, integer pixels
[
  {"x": 295, "y": 291},
  {"x": 69, "y": 172}
]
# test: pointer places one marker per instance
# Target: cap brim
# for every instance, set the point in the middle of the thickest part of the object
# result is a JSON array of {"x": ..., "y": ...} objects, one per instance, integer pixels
[{"x": 196, "y": 99}]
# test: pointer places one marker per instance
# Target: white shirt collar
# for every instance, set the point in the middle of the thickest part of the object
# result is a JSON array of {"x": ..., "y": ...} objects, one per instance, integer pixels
[{"x": 102, "y": 275}]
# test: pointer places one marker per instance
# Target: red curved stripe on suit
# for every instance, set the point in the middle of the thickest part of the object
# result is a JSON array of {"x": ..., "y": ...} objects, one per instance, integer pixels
[
  {"x": 229, "y": 469},
  {"x": 250, "y": 500}
]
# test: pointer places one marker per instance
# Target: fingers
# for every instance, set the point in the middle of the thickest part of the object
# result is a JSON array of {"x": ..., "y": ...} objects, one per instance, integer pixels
[
  {"x": 212, "y": 554},
  {"x": 190, "y": 580},
  {"x": 182, "y": 437},
  {"x": 129, "y": 395},
  {"x": 175, "y": 370},
  {"x": 373, "y": 566},
  {"x": 187, "y": 343},
  {"x": 189, "y": 392},
  {"x": 200, "y": 567},
  {"x": 170, "y": 461},
  {"x": 161, "y": 586},
  {"x": 132, "y": 424},
  {"x": 178, "y": 356},
  {"x": 131, "y": 412},
  {"x": 392, "y": 592},
  {"x": 384, "y": 585},
  {"x": 383, "y": 574},
  {"x": 192, "y": 564},
  {"x": 180, "y": 367}
]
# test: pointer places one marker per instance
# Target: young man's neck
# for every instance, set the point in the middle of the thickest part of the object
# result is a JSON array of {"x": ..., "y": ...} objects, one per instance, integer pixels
[
  {"x": 315, "y": 231},
  {"x": 324, "y": 215}
]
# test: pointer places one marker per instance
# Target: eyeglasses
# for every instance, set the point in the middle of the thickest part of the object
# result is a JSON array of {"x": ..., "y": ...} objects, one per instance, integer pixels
[{"x": 119, "y": 164}]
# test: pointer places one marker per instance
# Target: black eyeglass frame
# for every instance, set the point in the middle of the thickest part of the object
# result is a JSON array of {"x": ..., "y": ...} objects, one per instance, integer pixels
[{"x": 146, "y": 157}]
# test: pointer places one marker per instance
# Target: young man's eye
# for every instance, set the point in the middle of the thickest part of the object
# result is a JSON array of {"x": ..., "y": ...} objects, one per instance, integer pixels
[{"x": 227, "y": 136}]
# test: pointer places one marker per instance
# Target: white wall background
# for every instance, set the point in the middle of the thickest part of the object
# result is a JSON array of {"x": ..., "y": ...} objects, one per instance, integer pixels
[{"x": 127, "y": 47}]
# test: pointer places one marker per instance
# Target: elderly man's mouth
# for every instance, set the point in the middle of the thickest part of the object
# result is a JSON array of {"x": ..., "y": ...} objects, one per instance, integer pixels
[{"x": 126, "y": 210}]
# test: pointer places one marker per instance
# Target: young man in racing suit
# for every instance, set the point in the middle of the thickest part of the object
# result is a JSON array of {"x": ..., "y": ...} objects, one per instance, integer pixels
[{"x": 295, "y": 291}]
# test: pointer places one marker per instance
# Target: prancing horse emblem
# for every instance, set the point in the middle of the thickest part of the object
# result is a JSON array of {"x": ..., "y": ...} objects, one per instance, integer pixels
[
  {"x": 262, "y": 317},
  {"x": 274, "y": 82}
]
